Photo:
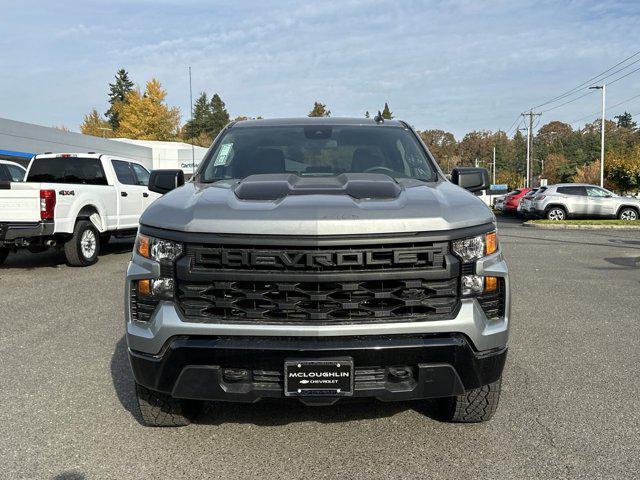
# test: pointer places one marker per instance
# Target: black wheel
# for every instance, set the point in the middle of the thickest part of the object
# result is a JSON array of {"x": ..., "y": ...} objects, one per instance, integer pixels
[
  {"x": 477, "y": 405},
  {"x": 628, "y": 213},
  {"x": 83, "y": 247},
  {"x": 556, "y": 213},
  {"x": 162, "y": 410},
  {"x": 4, "y": 253}
]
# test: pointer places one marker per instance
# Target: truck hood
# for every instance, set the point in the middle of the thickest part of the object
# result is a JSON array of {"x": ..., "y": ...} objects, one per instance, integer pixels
[{"x": 418, "y": 207}]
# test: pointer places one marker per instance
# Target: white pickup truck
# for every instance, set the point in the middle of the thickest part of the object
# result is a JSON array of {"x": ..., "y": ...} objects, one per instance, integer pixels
[{"x": 72, "y": 201}]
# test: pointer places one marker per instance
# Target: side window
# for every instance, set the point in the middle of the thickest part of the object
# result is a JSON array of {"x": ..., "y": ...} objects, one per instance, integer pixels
[
  {"x": 16, "y": 173},
  {"x": 124, "y": 172},
  {"x": 580, "y": 191},
  {"x": 597, "y": 192},
  {"x": 142, "y": 174},
  {"x": 4, "y": 174}
]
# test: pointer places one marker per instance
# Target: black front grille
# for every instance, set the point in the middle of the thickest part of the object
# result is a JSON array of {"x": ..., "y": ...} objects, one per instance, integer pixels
[
  {"x": 318, "y": 301},
  {"x": 319, "y": 284}
]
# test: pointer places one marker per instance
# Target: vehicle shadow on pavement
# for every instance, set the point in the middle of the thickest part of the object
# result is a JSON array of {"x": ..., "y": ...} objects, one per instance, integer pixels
[
  {"x": 70, "y": 476},
  {"x": 122, "y": 379},
  {"x": 268, "y": 412},
  {"x": 55, "y": 258}
]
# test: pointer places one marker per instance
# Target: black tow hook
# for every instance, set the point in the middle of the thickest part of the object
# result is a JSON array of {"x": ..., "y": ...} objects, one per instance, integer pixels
[
  {"x": 235, "y": 374},
  {"x": 400, "y": 373}
]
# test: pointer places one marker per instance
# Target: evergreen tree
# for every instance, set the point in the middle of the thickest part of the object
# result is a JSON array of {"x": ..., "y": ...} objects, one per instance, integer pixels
[
  {"x": 117, "y": 94},
  {"x": 319, "y": 110},
  {"x": 386, "y": 113},
  {"x": 201, "y": 112},
  {"x": 218, "y": 116},
  {"x": 366, "y": 114},
  {"x": 626, "y": 121}
]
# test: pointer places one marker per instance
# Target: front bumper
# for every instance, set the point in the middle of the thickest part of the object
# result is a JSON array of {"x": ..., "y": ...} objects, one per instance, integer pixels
[
  {"x": 167, "y": 321},
  {"x": 196, "y": 367},
  {"x": 15, "y": 232}
]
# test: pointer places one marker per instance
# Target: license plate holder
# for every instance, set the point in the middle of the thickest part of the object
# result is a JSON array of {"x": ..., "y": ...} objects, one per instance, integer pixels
[{"x": 326, "y": 377}]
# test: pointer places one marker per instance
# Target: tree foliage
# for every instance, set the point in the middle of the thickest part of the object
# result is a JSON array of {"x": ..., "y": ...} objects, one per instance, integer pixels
[
  {"x": 96, "y": 125},
  {"x": 147, "y": 116},
  {"x": 623, "y": 170},
  {"x": 118, "y": 94},
  {"x": 626, "y": 121},
  {"x": 319, "y": 110},
  {"x": 209, "y": 117},
  {"x": 386, "y": 113}
]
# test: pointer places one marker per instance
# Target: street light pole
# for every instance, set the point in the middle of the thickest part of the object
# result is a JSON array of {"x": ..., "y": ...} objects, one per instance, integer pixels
[
  {"x": 494, "y": 165},
  {"x": 602, "y": 87}
]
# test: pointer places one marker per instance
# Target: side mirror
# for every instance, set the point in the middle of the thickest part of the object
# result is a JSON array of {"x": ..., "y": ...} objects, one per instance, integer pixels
[
  {"x": 470, "y": 178},
  {"x": 163, "y": 181}
]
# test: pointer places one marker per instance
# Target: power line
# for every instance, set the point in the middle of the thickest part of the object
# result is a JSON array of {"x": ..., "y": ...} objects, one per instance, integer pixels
[
  {"x": 608, "y": 108},
  {"x": 569, "y": 101},
  {"x": 592, "y": 79},
  {"x": 623, "y": 76}
]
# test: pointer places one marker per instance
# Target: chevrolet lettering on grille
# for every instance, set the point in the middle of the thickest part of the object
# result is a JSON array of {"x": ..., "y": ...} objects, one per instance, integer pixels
[{"x": 300, "y": 259}]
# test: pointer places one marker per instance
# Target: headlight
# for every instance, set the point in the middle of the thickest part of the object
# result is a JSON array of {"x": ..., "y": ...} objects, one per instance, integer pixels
[
  {"x": 474, "y": 248},
  {"x": 163, "y": 251}
]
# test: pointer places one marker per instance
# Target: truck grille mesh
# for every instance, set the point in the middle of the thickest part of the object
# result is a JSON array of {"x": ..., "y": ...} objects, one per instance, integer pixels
[
  {"x": 317, "y": 285},
  {"x": 318, "y": 301}
]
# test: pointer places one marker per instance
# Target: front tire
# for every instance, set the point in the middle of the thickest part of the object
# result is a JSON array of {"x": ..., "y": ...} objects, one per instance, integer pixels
[
  {"x": 477, "y": 405},
  {"x": 556, "y": 214},
  {"x": 83, "y": 247},
  {"x": 161, "y": 410},
  {"x": 628, "y": 213}
]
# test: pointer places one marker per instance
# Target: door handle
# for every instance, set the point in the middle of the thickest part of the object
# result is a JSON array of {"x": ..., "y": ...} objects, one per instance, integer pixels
[
  {"x": 145, "y": 194},
  {"x": 123, "y": 194}
]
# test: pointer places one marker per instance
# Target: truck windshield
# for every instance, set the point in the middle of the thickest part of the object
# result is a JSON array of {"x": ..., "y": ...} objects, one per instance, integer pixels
[{"x": 317, "y": 151}]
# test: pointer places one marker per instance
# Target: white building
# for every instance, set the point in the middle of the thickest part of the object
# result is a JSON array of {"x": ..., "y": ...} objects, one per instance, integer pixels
[{"x": 20, "y": 141}]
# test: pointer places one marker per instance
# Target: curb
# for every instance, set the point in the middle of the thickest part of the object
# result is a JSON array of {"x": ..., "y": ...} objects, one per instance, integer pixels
[{"x": 546, "y": 226}]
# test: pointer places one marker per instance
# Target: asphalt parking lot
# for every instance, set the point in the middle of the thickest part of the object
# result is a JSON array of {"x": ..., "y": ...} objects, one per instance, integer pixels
[{"x": 570, "y": 405}]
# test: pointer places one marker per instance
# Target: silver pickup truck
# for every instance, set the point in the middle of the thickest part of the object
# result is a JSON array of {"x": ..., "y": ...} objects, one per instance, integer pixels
[{"x": 320, "y": 260}]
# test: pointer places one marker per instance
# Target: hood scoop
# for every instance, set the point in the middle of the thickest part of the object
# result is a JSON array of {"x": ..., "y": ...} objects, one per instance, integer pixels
[{"x": 357, "y": 185}]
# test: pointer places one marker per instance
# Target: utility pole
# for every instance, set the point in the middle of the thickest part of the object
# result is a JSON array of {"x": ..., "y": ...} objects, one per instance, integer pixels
[
  {"x": 530, "y": 114},
  {"x": 494, "y": 165},
  {"x": 193, "y": 153},
  {"x": 602, "y": 87}
]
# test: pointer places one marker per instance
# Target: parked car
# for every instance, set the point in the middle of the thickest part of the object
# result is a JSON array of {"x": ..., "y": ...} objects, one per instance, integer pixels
[
  {"x": 498, "y": 202},
  {"x": 566, "y": 200},
  {"x": 525, "y": 202},
  {"x": 73, "y": 201},
  {"x": 317, "y": 259},
  {"x": 11, "y": 171},
  {"x": 512, "y": 198}
]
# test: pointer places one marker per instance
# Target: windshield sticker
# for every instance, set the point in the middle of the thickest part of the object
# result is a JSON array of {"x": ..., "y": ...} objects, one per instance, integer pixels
[{"x": 221, "y": 159}]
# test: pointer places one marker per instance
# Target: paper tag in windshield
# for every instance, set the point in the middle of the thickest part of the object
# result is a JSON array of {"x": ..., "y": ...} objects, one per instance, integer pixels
[{"x": 221, "y": 159}]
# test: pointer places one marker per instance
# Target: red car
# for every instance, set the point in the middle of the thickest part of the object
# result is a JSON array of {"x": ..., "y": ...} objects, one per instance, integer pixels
[{"x": 512, "y": 199}]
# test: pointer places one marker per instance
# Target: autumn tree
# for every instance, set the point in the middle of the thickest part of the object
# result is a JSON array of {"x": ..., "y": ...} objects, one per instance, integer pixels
[
  {"x": 588, "y": 173},
  {"x": 555, "y": 168},
  {"x": 117, "y": 94},
  {"x": 623, "y": 170},
  {"x": 147, "y": 116},
  {"x": 96, "y": 125},
  {"x": 319, "y": 110},
  {"x": 444, "y": 147}
]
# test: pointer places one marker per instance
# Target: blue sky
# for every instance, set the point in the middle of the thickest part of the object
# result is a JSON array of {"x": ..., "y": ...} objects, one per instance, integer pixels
[{"x": 457, "y": 65}]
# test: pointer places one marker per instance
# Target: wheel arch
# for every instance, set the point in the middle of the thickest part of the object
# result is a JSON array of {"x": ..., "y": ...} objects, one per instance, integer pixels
[
  {"x": 626, "y": 205},
  {"x": 92, "y": 213}
]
